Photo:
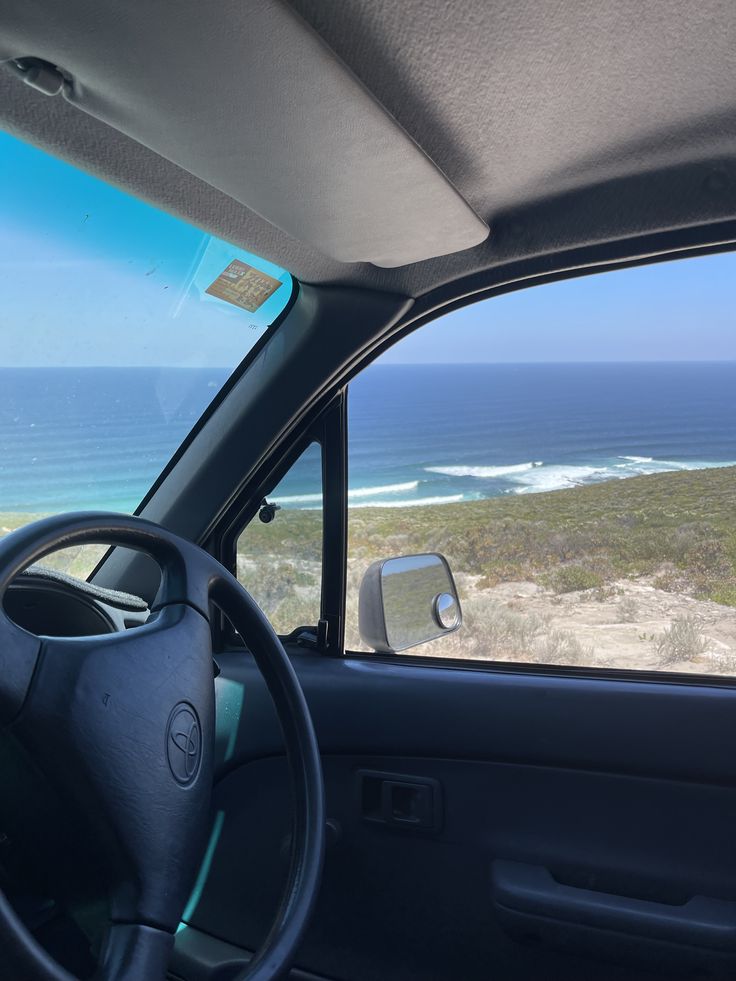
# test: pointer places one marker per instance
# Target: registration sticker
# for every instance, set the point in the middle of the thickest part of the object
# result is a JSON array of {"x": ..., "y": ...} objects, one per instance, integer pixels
[{"x": 243, "y": 286}]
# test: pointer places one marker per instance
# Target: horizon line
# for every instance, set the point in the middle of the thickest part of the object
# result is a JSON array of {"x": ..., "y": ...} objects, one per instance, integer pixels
[
  {"x": 412, "y": 364},
  {"x": 387, "y": 364}
]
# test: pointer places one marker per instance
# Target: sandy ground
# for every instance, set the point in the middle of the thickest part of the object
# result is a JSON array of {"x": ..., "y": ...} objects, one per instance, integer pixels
[{"x": 620, "y": 626}]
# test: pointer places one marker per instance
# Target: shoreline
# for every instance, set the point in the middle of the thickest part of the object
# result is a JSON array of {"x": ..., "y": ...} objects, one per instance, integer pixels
[
  {"x": 597, "y": 575},
  {"x": 461, "y": 484},
  {"x": 594, "y": 575}
]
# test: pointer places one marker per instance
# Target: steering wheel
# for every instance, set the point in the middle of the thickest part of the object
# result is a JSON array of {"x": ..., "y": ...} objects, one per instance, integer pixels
[{"x": 123, "y": 724}]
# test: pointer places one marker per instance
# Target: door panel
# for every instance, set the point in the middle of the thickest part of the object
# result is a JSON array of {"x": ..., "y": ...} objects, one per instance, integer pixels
[{"x": 586, "y": 825}]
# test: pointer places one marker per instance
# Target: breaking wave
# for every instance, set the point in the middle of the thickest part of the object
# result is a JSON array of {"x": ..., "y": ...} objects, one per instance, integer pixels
[
  {"x": 408, "y": 485},
  {"x": 537, "y": 477},
  {"x": 485, "y": 472},
  {"x": 411, "y": 502},
  {"x": 560, "y": 476}
]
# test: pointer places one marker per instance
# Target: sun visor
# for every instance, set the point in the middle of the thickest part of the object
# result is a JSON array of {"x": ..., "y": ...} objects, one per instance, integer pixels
[{"x": 247, "y": 97}]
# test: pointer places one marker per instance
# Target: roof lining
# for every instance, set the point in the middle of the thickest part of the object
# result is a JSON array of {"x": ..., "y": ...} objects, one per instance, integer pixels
[
  {"x": 281, "y": 125},
  {"x": 665, "y": 90}
]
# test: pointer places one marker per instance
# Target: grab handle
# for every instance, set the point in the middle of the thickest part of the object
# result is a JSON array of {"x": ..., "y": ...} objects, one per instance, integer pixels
[{"x": 531, "y": 890}]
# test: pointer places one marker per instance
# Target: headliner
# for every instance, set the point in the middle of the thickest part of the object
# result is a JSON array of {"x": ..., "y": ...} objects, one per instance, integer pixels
[{"x": 562, "y": 124}]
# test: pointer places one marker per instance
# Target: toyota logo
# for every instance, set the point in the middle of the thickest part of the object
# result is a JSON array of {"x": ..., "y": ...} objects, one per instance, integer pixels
[{"x": 184, "y": 743}]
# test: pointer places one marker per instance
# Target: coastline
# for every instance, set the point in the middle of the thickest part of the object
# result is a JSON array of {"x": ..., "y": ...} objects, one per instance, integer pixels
[
  {"x": 592, "y": 575},
  {"x": 596, "y": 575}
]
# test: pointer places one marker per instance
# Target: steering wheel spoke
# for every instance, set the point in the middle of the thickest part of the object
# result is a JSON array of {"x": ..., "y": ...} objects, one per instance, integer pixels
[
  {"x": 134, "y": 951},
  {"x": 123, "y": 724},
  {"x": 19, "y": 652}
]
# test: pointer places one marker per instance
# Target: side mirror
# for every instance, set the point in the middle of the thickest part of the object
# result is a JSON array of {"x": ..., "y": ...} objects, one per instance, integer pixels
[{"x": 407, "y": 601}]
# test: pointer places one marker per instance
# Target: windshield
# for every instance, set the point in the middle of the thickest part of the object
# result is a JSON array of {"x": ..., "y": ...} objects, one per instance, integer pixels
[{"x": 120, "y": 323}]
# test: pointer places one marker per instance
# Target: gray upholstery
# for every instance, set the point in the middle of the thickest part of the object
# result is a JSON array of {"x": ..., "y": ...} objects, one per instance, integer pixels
[
  {"x": 562, "y": 124},
  {"x": 250, "y": 99}
]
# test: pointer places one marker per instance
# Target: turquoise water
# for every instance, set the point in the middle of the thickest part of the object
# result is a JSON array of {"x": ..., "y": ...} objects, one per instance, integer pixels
[{"x": 93, "y": 437}]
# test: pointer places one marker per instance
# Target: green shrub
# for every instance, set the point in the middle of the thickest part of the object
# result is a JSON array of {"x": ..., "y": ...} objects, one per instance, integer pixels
[
  {"x": 628, "y": 610},
  {"x": 572, "y": 579},
  {"x": 682, "y": 642},
  {"x": 561, "y": 647},
  {"x": 724, "y": 594}
]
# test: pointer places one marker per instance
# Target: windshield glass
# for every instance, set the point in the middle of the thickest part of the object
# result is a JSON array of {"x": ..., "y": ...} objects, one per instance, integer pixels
[{"x": 120, "y": 323}]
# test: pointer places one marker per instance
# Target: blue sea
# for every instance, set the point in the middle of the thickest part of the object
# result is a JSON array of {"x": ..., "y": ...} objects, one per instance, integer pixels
[
  {"x": 419, "y": 434},
  {"x": 73, "y": 438}
]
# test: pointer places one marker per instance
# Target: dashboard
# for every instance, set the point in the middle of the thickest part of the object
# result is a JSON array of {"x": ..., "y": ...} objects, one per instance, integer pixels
[{"x": 54, "y": 604}]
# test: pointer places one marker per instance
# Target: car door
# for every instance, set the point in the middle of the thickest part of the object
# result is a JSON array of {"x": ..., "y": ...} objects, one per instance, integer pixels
[{"x": 549, "y": 791}]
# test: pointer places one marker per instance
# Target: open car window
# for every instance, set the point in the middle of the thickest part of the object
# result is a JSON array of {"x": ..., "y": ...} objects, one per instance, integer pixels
[
  {"x": 571, "y": 450},
  {"x": 118, "y": 326}
]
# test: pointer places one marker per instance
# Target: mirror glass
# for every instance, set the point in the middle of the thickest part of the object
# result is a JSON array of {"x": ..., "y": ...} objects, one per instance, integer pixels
[
  {"x": 446, "y": 611},
  {"x": 419, "y": 600}
]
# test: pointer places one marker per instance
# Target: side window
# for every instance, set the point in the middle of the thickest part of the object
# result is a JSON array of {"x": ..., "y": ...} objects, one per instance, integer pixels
[
  {"x": 571, "y": 451},
  {"x": 279, "y": 559}
]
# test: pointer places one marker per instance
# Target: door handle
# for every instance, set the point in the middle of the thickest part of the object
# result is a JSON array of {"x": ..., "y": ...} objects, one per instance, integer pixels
[
  {"x": 531, "y": 890},
  {"x": 400, "y": 801}
]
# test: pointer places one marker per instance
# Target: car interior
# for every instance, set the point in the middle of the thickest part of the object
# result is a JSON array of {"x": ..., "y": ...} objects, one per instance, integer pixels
[{"x": 196, "y": 790}]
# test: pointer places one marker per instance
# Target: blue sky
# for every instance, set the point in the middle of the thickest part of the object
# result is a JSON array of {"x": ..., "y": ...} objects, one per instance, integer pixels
[
  {"x": 92, "y": 276},
  {"x": 683, "y": 310}
]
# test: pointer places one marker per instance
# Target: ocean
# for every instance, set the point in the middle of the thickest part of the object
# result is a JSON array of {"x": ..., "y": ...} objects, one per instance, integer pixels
[
  {"x": 419, "y": 434},
  {"x": 76, "y": 438},
  {"x": 437, "y": 433}
]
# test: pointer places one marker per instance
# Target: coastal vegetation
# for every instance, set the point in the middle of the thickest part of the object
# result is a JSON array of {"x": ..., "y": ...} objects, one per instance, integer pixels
[
  {"x": 645, "y": 560},
  {"x": 678, "y": 527},
  {"x": 536, "y": 572}
]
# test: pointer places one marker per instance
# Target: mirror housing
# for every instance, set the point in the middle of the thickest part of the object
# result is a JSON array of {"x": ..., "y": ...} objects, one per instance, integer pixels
[{"x": 406, "y": 601}]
